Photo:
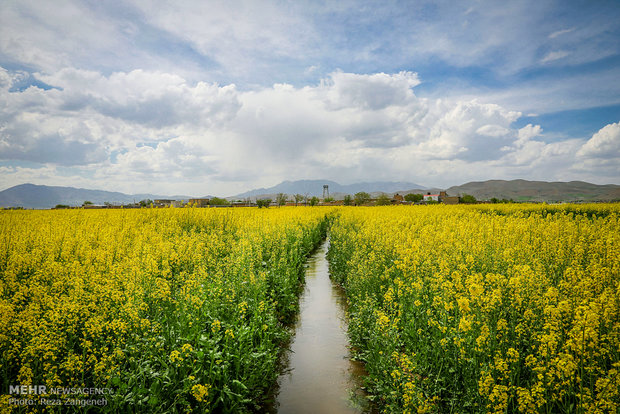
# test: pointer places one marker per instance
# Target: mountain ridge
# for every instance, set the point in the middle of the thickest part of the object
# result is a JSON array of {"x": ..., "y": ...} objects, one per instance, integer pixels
[
  {"x": 315, "y": 188},
  {"x": 42, "y": 196},
  {"x": 538, "y": 191}
]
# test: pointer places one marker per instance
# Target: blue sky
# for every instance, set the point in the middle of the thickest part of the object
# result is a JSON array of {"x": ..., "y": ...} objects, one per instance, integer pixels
[{"x": 206, "y": 97}]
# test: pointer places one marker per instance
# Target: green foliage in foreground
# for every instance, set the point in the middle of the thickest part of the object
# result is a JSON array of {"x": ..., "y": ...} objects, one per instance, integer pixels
[{"x": 173, "y": 309}]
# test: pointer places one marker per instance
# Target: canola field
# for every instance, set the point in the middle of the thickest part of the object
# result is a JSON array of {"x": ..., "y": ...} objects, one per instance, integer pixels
[
  {"x": 173, "y": 310},
  {"x": 453, "y": 309},
  {"x": 484, "y": 309}
]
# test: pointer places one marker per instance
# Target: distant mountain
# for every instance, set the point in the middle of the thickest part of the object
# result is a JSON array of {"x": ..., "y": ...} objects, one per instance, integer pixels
[
  {"x": 523, "y": 190},
  {"x": 43, "y": 196},
  {"x": 315, "y": 188}
]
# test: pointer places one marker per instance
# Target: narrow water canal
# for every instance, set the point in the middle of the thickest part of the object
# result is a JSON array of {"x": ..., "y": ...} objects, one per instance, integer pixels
[{"x": 322, "y": 377}]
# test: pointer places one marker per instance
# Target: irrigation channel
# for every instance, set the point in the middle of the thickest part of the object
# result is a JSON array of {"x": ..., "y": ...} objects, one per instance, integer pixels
[{"x": 321, "y": 377}]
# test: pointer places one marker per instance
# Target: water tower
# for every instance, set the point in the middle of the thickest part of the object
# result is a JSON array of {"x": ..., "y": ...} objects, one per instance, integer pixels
[{"x": 325, "y": 191}]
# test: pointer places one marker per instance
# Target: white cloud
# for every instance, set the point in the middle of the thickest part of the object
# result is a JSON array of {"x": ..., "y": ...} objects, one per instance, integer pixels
[
  {"x": 492, "y": 131},
  {"x": 605, "y": 144},
  {"x": 152, "y": 98},
  {"x": 469, "y": 130},
  {"x": 311, "y": 69},
  {"x": 529, "y": 131},
  {"x": 561, "y": 32},
  {"x": 240, "y": 36},
  {"x": 526, "y": 133},
  {"x": 91, "y": 115},
  {"x": 152, "y": 131},
  {"x": 554, "y": 55},
  {"x": 375, "y": 92},
  {"x": 6, "y": 80},
  {"x": 50, "y": 36}
]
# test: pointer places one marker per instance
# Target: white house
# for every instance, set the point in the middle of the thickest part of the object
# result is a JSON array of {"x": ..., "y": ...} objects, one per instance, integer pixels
[{"x": 431, "y": 197}]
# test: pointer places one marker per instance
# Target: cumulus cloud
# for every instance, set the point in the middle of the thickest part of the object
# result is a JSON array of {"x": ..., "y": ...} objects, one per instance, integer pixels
[
  {"x": 528, "y": 132},
  {"x": 88, "y": 114},
  {"x": 377, "y": 91},
  {"x": 469, "y": 130},
  {"x": 492, "y": 131},
  {"x": 153, "y": 99},
  {"x": 159, "y": 131},
  {"x": 605, "y": 144},
  {"x": 176, "y": 158}
]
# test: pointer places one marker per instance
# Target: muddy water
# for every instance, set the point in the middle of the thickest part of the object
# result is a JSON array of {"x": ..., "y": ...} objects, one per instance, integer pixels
[{"x": 321, "y": 378}]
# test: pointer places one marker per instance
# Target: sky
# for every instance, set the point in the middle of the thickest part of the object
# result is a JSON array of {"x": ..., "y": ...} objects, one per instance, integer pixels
[{"x": 219, "y": 97}]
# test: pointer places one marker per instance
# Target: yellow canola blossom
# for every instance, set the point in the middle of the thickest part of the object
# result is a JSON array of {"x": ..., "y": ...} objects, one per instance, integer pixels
[
  {"x": 504, "y": 308},
  {"x": 145, "y": 301}
]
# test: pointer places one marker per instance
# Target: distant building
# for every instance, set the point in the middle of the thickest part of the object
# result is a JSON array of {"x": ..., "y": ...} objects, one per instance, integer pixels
[
  {"x": 397, "y": 199},
  {"x": 431, "y": 197},
  {"x": 242, "y": 203},
  {"x": 167, "y": 203},
  {"x": 450, "y": 199},
  {"x": 162, "y": 203},
  {"x": 442, "y": 197}
]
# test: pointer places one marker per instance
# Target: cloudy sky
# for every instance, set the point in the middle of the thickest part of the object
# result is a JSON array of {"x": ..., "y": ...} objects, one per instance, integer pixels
[{"x": 218, "y": 97}]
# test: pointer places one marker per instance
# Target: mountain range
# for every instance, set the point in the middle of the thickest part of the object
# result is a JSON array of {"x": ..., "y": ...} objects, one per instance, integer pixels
[
  {"x": 44, "y": 196},
  {"x": 315, "y": 188},
  {"x": 538, "y": 191},
  {"x": 41, "y": 196}
]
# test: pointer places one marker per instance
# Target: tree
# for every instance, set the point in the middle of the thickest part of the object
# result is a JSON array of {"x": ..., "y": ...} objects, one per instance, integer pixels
[
  {"x": 298, "y": 198},
  {"x": 146, "y": 202},
  {"x": 281, "y": 199},
  {"x": 348, "y": 200},
  {"x": 216, "y": 201},
  {"x": 314, "y": 201},
  {"x": 328, "y": 199},
  {"x": 467, "y": 199},
  {"x": 87, "y": 203},
  {"x": 361, "y": 198},
  {"x": 383, "y": 200},
  {"x": 413, "y": 198},
  {"x": 263, "y": 203}
]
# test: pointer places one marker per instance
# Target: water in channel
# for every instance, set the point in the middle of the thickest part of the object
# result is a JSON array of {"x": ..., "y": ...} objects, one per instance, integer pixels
[{"x": 321, "y": 377}]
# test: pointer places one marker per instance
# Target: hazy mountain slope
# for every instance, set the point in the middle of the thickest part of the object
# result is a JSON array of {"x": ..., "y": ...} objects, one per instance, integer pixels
[
  {"x": 523, "y": 190},
  {"x": 43, "y": 196},
  {"x": 315, "y": 188}
]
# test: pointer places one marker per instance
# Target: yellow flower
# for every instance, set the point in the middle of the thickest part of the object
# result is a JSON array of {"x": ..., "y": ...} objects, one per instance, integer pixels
[
  {"x": 200, "y": 392},
  {"x": 216, "y": 326},
  {"x": 175, "y": 356}
]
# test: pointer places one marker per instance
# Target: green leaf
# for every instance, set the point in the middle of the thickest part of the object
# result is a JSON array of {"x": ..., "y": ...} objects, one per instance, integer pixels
[{"x": 240, "y": 384}]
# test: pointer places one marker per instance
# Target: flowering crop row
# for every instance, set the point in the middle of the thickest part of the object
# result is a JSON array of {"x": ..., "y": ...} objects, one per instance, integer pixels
[
  {"x": 171, "y": 309},
  {"x": 484, "y": 308}
]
